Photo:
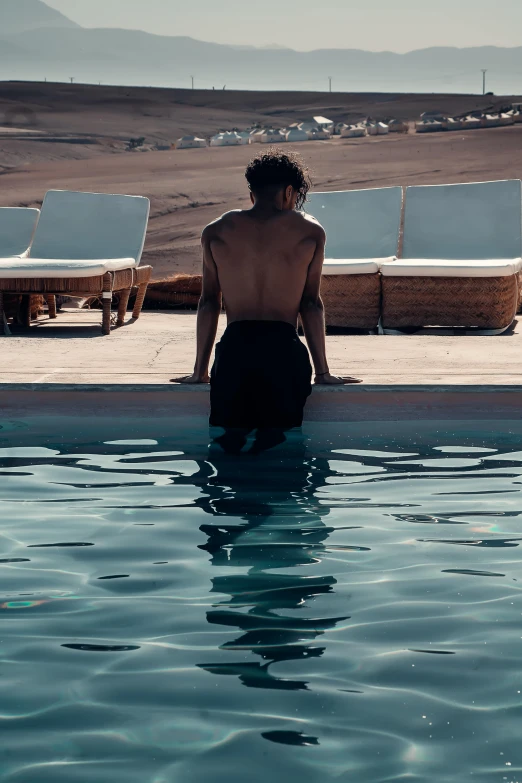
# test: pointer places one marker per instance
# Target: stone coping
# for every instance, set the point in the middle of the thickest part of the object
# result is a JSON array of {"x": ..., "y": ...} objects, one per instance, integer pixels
[{"x": 483, "y": 388}]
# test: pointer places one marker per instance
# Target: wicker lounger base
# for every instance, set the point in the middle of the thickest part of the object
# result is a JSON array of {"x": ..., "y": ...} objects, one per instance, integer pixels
[
  {"x": 181, "y": 290},
  {"x": 352, "y": 301},
  {"x": 484, "y": 302},
  {"x": 123, "y": 280}
]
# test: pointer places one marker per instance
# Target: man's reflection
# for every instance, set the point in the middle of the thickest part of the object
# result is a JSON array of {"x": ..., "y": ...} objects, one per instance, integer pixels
[{"x": 266, "y": 518}]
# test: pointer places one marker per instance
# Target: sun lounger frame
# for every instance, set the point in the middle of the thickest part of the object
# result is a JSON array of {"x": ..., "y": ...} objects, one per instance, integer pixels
[
  {"x": 122, "y": 281},
  {"x": 107, "y": 230}
]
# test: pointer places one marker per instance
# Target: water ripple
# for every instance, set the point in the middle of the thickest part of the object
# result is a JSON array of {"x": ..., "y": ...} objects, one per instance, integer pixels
[{"x": 273, "y": 617}]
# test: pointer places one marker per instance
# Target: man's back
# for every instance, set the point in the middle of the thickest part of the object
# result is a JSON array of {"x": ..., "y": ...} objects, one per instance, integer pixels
[{"x": 262, "y": 260}]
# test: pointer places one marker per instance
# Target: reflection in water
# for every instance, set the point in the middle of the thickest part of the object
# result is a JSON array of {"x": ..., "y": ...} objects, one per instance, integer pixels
[{"x": 267, "y": 517}]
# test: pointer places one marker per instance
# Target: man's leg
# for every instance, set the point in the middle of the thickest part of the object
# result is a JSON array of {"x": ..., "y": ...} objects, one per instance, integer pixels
[
  {"x": 283, "y": 385},
  {"x": 230, "y": 386}
]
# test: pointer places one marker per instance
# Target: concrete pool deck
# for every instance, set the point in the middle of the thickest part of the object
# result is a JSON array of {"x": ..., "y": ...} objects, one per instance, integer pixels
[{"x": 71, "y": 351}]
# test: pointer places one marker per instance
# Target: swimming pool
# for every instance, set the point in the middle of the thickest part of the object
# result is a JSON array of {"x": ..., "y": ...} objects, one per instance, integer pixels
[{"x": 346, "y": 607}]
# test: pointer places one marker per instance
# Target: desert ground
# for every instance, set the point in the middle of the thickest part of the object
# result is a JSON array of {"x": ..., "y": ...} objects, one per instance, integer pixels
[{"x": 75, "y": 137}]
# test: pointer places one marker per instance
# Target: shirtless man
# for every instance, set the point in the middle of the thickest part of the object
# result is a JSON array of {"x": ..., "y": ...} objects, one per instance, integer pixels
[{"x": 266, "y": 263}]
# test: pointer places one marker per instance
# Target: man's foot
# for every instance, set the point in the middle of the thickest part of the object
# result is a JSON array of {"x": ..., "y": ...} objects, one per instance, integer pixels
[
  {"x": 335, "y": 380},
  {"x": 232, "y": 440},
  {"x": 267, "y": 439}
]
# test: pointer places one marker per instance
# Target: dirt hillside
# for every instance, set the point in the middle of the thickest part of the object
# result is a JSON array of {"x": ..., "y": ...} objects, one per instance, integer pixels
[{"x": 188, "y": 188}]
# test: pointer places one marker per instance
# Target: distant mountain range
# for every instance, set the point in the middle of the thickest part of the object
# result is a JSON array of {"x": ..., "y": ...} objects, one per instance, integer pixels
[
  {"x": 17, "y": 16},
  {"x": 37, "y": 43}
]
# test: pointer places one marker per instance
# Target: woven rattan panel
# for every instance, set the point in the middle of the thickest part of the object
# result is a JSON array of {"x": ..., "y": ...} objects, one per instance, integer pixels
[
  {"x": 484, "y": 302},
  {"x": 352, "y": 301},
  {"x": 86, "y": 286},
  {"x": 142, "y": 274},
  {"x": 123, "y": 278}
]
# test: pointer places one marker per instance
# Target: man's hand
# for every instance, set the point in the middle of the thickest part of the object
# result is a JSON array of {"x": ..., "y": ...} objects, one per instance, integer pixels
[
  {"x": 192, "y": 379},
  {"x": 333, "y": 380}
]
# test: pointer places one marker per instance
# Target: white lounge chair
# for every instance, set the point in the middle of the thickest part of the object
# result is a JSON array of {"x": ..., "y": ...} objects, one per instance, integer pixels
[
  {"x": 461, "y": 258},
  {"x": 362, "y": 230},
  {"x": 85, "y": 244},
  {"x": 17, "y": 225}
]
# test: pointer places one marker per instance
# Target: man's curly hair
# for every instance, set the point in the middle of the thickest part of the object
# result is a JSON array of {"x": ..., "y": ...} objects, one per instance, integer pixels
[{"x": 275, "y": 169}]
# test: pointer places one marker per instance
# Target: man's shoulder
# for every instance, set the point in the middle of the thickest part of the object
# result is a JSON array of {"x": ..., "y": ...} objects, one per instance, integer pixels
[
  {"x": 216, "y": 225},
  {"x": 310, "y": 224}
]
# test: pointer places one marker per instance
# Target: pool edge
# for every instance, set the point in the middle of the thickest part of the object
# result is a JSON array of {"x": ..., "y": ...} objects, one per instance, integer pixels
[{"x": 403, "y": 402}]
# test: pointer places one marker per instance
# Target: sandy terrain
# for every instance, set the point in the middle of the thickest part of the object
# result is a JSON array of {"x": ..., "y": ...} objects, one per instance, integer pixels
[
  {"x": 188, "y": 188},
  {"x": 163, "y": 115}
]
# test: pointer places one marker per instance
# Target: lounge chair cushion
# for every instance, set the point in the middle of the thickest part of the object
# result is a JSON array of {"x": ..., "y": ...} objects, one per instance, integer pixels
[
  {"x": 29, "y": 268},
  {"x": 353, "y": 266},
  {"x": 17, "y": 225},
  {"x": 472, "y": 221},
  {"x": 90, "y": 225},
  {"x": 359, "y": 223},
  {"x": 413, "y": 267}
]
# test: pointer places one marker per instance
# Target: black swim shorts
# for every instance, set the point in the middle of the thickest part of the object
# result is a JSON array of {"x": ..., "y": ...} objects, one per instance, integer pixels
[{"x": 261, "y": 376}]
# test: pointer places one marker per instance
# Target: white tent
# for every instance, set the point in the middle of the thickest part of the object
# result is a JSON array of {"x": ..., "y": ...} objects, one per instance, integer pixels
[
  {"x": 190, "y": 142},
  {"x": 271, "y": 136},
  {"x": 324, "y": 123},
  {"x": 353, "y": 131},
  {"x": 454, "y": 124},
  {"x": 244, "y": 136},
  {"x": 295, "y": 134},
  {"x": 318, "y": 134},
  {"x": 515, "y": 114},
  {"x": 429, "y": 126},
  {"x": 471, "y": 123},
  {"x": 507, "y": 119},
  {"x": 377, "y": 129},
  {"x": 398, "y": 126},
  {"x": 227, "y": 139},
  {"x": 491, "y": 121},
  {"x": 255, "y": 136},
  {"x": 308, "y": 125}
]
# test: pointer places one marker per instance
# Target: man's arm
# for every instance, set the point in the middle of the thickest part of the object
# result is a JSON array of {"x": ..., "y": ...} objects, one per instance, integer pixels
[
  {"x": 208, "y": 314},
  {"x": 312, "y": 317},
  {"x": 312, "y": 310}
]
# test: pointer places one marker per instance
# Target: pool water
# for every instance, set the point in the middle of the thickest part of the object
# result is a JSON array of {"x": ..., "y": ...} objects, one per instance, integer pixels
[{"x": 344, "y": 607}]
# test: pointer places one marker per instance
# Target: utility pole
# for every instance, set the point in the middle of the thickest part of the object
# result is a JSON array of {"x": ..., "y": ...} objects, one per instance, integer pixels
[
  {"x": 484, "y": 72},
  {"x": 192, "y": 78},
  {"x": 330, "y": 82},
  {"x": 72, "y": 79}
]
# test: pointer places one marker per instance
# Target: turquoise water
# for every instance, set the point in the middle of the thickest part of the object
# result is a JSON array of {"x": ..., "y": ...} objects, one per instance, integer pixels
[{"x": 346, "y": 607}]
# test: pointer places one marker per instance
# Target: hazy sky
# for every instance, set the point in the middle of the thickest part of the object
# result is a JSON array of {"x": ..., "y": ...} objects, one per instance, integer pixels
[{"x": 398, "y": 25}]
